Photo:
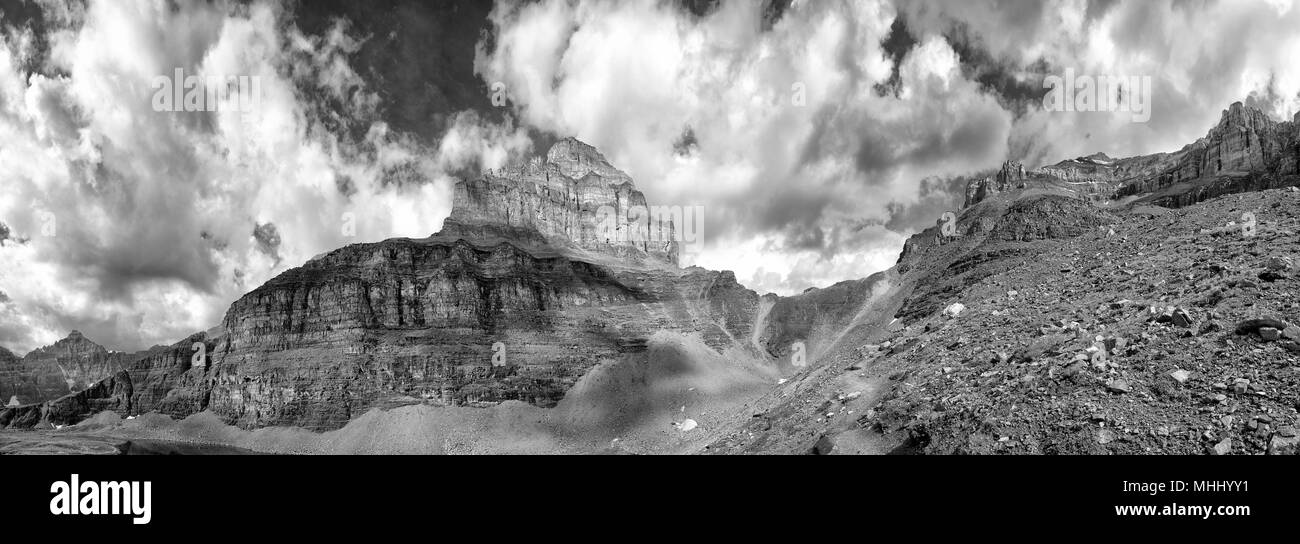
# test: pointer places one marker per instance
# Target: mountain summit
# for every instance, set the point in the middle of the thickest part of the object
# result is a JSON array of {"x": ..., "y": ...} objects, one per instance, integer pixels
[{"x": 572, "y": 197}]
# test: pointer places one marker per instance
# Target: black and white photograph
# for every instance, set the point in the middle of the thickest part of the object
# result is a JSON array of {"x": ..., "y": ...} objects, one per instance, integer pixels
[{"x": 917, "y": 230}]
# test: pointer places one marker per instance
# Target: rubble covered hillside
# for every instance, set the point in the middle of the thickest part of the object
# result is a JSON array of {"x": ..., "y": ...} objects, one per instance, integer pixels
[{"x": 1053, "y": 321}]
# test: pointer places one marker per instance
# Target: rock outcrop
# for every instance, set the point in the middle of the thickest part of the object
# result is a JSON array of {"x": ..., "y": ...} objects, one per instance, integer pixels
[
  {"x": 572, "y": 196},
  {"x": 1011, "y": 176}
]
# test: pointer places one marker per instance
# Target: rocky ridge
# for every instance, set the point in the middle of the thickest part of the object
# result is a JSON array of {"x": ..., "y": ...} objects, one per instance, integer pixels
[
  {"x": 68, "y": 366},
  {"x": 1245, "y": 151},
  {"x": 1059, "y": 321}
]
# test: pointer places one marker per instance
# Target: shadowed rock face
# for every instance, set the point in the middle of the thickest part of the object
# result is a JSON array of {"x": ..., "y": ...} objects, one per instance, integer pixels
[{"x": 16, "y": 383}]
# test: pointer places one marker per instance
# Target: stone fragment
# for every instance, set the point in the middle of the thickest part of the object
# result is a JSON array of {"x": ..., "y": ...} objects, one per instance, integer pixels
[
  {"x": 1180, "y": 376},
  {"x": 824, "y": 446},
  {"x": 1254, "y": 325},
  {"x": 1284, "y": 445},
  {"x": 1224, "y": 447},
  {"x": 1279, "y": 264}
]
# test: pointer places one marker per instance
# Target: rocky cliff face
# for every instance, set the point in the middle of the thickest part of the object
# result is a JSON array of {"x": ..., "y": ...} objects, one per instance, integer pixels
[
  {"x": 15, "y": 382},
  {"x": 68, "y": 366},
  {"x": 1245, "y": 151},
  {"x": 517, "y": 298},
  {"x": 573, "y": 196}
]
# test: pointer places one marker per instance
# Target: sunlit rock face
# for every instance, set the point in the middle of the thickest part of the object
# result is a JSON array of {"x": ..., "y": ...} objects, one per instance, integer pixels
[{"x": 570, "y": 196}]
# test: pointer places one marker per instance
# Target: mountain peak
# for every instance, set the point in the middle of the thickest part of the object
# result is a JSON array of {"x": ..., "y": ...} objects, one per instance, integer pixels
[
  {"x": 75, "y": 341},
  {"x": 576, "y": 159},
  {"x": 573, "y": 198}
]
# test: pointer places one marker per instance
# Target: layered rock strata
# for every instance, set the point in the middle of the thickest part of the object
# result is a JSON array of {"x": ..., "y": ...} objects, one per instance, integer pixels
[{"x": 517, "y": 298}]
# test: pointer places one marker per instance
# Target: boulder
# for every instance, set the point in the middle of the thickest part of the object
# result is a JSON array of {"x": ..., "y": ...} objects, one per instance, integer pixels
[
  {"x": 1250, "y": 326},
  {"x": 1224, "y": 447}
]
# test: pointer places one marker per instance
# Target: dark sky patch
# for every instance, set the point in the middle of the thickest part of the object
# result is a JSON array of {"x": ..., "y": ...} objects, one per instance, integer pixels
[
  {"x": 701, "y": 8},
  {"x": 419, "y": 57},
  {"x": 686, "y": 144},
  {"x": 773, "y": 10},
  {"x": 899, "y": 42},
  {"x": 268, "y": 240},
  {"x": 1017, "y": 88}
]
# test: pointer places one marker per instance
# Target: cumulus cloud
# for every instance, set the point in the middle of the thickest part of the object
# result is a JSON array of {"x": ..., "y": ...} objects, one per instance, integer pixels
[
  {"x": 819, "y": 135},
  {"x": 138, "y": 226},
  {"x": 797, "y": 157},
  {"x": 1200, "y": 56}
]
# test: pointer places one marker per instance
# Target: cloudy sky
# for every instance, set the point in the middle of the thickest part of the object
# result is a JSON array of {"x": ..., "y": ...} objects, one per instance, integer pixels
[{"x": 817, "y": 135}]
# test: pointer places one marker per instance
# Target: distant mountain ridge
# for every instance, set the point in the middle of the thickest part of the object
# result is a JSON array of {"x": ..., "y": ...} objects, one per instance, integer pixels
[
  {"x": 1245, "y": 151},
  {"x": 67, "y": 366}
]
